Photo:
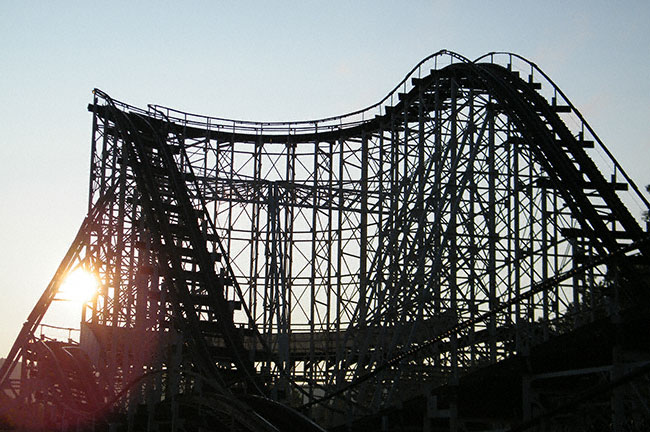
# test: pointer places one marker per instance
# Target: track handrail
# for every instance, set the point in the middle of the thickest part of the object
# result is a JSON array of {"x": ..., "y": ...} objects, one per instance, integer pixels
[
  {"x": 304, "y": 126},
  {"x": 575, "y": 110}
]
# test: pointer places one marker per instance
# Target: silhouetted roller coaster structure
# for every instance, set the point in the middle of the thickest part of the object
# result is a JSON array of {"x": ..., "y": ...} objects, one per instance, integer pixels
[{"x": 456, "y": 257}]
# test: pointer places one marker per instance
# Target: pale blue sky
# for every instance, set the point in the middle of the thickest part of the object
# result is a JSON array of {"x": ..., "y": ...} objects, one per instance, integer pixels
[{"x": 265, "y": 61}]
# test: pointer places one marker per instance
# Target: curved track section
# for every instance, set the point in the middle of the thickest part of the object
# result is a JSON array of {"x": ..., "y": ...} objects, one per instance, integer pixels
[{"x": 352, "y": 265}]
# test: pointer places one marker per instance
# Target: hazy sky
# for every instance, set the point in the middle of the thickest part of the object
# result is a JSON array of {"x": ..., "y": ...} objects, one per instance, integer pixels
[{"x": 265, "y": 61}]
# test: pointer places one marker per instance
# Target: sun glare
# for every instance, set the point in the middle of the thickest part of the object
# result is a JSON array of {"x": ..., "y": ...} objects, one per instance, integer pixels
[{"x": 79, "y": 286}]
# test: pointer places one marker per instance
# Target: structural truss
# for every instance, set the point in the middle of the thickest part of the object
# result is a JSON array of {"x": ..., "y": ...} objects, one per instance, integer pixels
[{"x": 453, "y": 251}]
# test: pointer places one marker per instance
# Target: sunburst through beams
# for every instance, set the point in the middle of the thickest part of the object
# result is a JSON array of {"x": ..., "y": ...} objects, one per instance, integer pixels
[{"x": 79, "y": 286}]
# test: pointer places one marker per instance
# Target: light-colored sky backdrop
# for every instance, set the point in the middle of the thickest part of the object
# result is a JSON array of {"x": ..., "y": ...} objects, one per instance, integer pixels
[{"x": 264, "y": 60}]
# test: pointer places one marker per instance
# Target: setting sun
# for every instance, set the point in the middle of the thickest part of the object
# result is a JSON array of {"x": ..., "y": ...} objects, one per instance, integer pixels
[{"x": 79, "y": 286}]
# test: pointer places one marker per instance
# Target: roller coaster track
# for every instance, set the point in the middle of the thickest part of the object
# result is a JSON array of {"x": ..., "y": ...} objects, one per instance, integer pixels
[{"x": 353, "y": 266}]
